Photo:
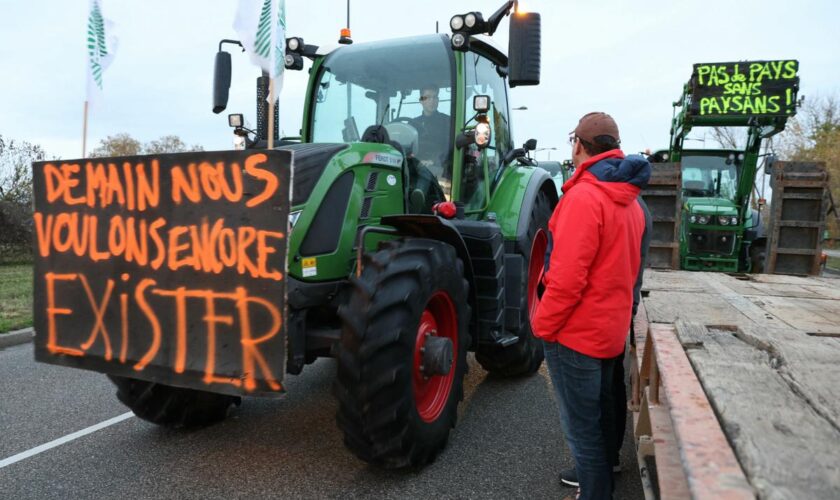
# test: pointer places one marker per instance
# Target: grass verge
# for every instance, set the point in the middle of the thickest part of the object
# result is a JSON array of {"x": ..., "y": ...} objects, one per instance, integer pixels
[{"x": 15, "y": 296}]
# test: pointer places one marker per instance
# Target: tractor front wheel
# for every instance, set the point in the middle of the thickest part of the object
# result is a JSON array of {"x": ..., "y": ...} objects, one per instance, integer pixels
[
  {"x": 172, "y": 406},
  {"x": 525, "y": 356},
  {"x": 402, "y": 356}
]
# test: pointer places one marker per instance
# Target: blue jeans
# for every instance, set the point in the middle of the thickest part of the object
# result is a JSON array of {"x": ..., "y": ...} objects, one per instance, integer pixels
[{"x": 584, "y": 394}]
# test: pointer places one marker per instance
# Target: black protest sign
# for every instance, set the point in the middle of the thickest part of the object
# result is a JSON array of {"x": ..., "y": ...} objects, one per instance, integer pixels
[
  {"x": 756, "y": 88},
  {"x": 168, "y": 268}
]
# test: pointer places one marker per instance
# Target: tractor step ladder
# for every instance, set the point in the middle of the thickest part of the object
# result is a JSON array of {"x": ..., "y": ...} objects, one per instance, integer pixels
[
  {"x": 797, "y": 222},
  {"x": 663, "y": 197}
]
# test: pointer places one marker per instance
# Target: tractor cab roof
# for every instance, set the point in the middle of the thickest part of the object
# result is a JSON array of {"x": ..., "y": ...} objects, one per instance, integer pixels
[{"x": 367, "y": 62}]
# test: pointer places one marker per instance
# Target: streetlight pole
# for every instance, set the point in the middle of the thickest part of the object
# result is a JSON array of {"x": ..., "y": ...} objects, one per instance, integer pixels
[{"x": 550, "y": 149}]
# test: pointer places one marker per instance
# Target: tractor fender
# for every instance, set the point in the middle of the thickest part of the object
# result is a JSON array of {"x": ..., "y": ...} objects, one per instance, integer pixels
[
  {"x": 440, "y": 229},
  {"x": 514, "y": 197},
  {"x": 540, "y": 181}
]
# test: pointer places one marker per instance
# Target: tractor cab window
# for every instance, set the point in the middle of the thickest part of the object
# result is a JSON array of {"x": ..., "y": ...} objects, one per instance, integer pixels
[
  {"x": 482, "y": 78},
  {"x": 709, "y": 176},
  {"x": 404, "y": 86}
]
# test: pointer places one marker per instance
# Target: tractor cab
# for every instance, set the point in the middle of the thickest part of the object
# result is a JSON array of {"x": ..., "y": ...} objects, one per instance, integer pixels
[{"x": 427, "y": 102}]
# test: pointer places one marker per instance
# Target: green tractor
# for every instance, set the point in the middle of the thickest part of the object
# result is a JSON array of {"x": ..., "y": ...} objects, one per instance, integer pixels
[
  {"x": 719, "y": 230},
  {"x": 418, "y": 231}
]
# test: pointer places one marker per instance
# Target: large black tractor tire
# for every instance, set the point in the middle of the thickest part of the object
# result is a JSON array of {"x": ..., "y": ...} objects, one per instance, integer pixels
[
  {"x": 172, "y": 406},
  {"x": 525, "y": 356},
  {"x": 395, "y": 411}
]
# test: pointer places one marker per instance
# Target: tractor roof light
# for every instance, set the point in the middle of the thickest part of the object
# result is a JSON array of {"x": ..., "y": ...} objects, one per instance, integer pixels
[
  {"x": 459, "y": 41},
  {"x": 294, "y": 44},
  {"x": 481, "y": 103},
  {"x": 475, "y": 22},
  {"x": 293, "y": 61},
  {"x": 456, "y": 23}
]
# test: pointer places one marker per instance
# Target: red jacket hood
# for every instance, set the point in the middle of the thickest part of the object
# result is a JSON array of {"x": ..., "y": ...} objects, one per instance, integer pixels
[{"x": 603, "y": 170}]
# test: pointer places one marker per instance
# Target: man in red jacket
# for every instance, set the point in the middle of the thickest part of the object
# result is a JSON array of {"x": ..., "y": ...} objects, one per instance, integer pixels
[{"x": 595, "y": 241}]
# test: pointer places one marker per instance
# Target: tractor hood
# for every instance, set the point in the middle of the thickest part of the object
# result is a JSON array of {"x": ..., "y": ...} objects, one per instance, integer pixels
[
  {"x": 710, "y": 206},
  {"x": 309, "y": 163}
]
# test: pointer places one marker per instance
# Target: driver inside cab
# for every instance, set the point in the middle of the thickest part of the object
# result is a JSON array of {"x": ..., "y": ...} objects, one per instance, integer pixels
[{"x": 433, "y": 131}]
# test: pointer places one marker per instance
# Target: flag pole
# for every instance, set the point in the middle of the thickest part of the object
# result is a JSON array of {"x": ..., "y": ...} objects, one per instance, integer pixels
[
  {"x": 271, "y": 104},
  {"x": 84, "y": 130}
]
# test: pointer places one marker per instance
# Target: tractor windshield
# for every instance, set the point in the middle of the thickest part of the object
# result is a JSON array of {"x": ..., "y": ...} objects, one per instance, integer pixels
[
  {"x": 709, "y": 176},
  {"x": 406, "y": 85}
]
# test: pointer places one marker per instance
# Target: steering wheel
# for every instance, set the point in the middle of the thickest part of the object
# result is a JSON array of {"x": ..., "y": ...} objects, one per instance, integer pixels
[{"x": 403, "y": 119}]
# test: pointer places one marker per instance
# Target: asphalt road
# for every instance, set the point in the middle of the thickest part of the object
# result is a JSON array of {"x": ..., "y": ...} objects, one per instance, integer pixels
[{"x": 507, "y": 444}]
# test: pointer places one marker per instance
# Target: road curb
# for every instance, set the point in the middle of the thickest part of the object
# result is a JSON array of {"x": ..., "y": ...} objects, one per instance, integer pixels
[{"x": 16, "y": 337}]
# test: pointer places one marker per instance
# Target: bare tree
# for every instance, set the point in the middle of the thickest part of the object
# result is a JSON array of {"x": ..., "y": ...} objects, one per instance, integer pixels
[
  {"x": 117, "y": 145},
  {"x": 729, "y": 137},
  {"x": 169, "y": 144},
  {"x": 124, "y": 145}
]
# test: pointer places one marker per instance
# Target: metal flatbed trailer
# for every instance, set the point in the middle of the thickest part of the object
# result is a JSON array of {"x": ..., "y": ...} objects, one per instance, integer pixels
[{"x": 736, "y": 382}]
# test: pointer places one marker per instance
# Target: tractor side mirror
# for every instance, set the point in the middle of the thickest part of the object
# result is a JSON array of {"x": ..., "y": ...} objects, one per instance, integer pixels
[
  {"x": 221, "y": 81},
  {"x": 524, "y": 49},
  {"x": 530, "y": 144}
]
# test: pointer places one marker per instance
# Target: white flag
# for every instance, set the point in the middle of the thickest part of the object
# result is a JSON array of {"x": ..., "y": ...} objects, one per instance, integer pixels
[
  {"x": 261, "y": 26},
  {"x": 101, "y": 46}
]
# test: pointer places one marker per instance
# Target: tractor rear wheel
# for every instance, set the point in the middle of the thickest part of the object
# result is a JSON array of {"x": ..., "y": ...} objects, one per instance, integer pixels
[
  {"x": 172, "y": 406},
  {"x": 402, "y": 355},
  {"x": 525, "y": 356}
]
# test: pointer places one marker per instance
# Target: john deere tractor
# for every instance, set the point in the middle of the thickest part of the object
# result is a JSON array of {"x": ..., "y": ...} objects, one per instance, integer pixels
[
  {"x": 719, "y": 230},
  {"x": 417, "y": 233}
]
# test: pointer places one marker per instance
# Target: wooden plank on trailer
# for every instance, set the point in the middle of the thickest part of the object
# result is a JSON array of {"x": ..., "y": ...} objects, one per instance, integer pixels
[
  {"x": 810, "y": 364},
  {"x": 710, "y": 465},
  {"x": 810, "y": 316},
  {"x": 668, "y": 307},
  {"x": 672, "y": 281},
  {"x": 786, "y": 447},
  {"x": 669, "y": 467},
  {"x": 773, "y": 289},
  {"x": 721, "y": 286}
]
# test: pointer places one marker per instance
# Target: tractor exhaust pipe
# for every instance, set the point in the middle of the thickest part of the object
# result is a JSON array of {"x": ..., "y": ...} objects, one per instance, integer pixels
[{"x": 262, "y": 111}]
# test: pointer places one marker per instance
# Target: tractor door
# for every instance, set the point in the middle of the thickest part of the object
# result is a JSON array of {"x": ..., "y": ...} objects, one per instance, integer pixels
[{"x": 481, "y": 166}]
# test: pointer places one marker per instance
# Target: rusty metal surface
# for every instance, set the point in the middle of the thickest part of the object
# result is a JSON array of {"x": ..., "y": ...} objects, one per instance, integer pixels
[
  {"x": 663, "y": 197},
  {"x": 798, "y": 210},
  {"x": 710, "y": 465}
]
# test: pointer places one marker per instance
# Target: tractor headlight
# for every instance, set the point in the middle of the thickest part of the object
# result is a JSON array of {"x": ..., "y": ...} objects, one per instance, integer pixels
[
  {"x": 693, "y": 219},
  {"x": 733, "y": 221},
  {"x": 723, "y": 220},
  {"x": 457, "y": 22},
  {"x": 703, "y": 219},
  {"x": 293, "y": 44}
]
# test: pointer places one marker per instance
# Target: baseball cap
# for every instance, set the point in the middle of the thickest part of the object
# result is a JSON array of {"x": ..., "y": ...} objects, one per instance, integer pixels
[{"x": 594, "y": 124}]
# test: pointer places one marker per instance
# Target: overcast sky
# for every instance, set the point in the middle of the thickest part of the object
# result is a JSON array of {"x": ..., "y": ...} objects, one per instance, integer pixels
[{"x": 628, "y": 58}]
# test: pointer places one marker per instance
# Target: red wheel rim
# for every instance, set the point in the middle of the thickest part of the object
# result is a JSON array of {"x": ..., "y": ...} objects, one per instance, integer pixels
[
  {"x": 431, "y": 393},
  {"x": 536, "y": 265}
]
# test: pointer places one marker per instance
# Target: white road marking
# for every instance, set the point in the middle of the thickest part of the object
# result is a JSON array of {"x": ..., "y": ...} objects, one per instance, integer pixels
[{"x": 65, "y": 439}]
